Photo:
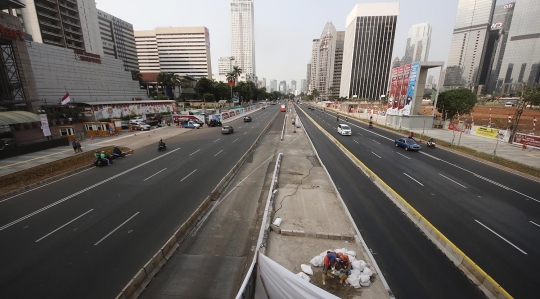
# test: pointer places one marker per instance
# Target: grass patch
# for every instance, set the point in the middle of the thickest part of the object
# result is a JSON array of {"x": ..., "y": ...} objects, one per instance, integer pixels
[{"x": 25, "y": 177}]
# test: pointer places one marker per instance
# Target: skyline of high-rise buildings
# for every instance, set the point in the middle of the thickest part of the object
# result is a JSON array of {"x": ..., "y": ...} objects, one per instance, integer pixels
[
  {"x": 118, "y": 39},
  {"x": 469, "y": 43},
  {"x": 418, "y": 43},
  {"x": 243, "y": 36}
]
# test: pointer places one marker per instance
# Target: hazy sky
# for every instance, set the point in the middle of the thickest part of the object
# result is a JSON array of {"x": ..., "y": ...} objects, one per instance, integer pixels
[{"x": 284, "y": 29}]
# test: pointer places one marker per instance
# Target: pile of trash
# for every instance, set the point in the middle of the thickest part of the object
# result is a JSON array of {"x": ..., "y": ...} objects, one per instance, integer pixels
[{"x": 360, "y": 273}]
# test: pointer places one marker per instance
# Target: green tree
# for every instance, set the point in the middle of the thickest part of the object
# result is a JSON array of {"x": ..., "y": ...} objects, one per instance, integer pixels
[
  {"x": 530, "y": 95},
  {"x": 136, "y": 75},
  {"x": 236, "y": 72},
  {"x": 454, "y": 101},
  {"x": 204, "y": 86},
  {"x": 162, "y": 79},
  {"x": 315, "y": 93},
  {"x": 209, "y": 97}
]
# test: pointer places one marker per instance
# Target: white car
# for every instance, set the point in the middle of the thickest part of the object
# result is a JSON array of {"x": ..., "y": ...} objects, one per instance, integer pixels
[{"x": 344, "y": 129}]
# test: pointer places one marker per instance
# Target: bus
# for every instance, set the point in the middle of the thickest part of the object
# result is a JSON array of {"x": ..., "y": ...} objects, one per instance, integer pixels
[{"x": 282, "y": 108}]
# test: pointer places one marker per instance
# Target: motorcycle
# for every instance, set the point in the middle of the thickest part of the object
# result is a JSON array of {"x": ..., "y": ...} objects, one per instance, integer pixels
[
  {"x": 101, "y": 162},
  {"x": 431, "y": 143},
  {"x": 162, "y": 147},
  {"x": 370, "y": 126},
  {"x": 117, "y": 153}
]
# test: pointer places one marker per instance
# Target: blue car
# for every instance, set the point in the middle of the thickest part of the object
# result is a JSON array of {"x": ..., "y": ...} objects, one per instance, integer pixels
[{"x": 408, "y": 144}]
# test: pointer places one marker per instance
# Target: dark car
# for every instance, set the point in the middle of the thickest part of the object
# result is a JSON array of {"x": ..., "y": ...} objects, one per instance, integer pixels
[
  {"x": 140, "y": 127},
  {"x": 6, "y": 143},
  {"x": 408, "y": 144},
  {"x": 227, "y": 130},
  {"x": 214, "y": 123},
  {"x": 247, "y": 119}
]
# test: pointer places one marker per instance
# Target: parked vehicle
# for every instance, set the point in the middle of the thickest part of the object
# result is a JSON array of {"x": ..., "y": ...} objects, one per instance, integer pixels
[
  {"x": 408, "y": 144},
  {"x": 140, "y": 127},
  {"x": 344, "y": 130},
  {"x": 227, "y": 130},
  {"x": 182, "y": 118},
  {"x": 247, "y": 119},
  {"x": 215, "y": 123},
  {"x": 191, "y": 125},
  {"x": 124, "y": 124},
  {"x": 117, "y": 153},
  {"x": 6, "y": 143}
]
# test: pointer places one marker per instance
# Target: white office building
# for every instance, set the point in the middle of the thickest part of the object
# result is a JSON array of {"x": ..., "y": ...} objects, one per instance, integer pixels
[
  {"x": 313, "y": 65},
  {"x": 180, "y": 50},
  {"x": 367, "y": 50},
  {"x": 118, "y": 39},
  {"x": 418, "y": 42},
  {"x": 224, "y": 65},
  {"x": 243, "y": 36}
]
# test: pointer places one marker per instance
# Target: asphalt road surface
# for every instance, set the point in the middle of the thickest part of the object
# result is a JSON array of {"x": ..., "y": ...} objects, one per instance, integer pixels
[
  {"x": 490, "y": 214},
  {"x": 87, "y": 235}
]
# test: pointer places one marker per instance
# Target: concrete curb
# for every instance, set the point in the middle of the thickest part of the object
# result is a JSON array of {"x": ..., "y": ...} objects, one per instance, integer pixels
[
  {"x": 137, "y": 284},
  {"x": 483, "y": 281},
  {"x": 317, "y": 235}
]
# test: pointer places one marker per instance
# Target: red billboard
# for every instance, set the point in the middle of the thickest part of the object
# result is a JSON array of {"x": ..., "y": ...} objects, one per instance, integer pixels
[
  {"x": 406, "y": 70},
  {"x": 393, "y": 88}
]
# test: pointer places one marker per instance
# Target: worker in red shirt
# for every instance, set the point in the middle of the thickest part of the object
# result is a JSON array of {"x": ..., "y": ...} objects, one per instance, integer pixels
[{"x": 329, "y": 261}]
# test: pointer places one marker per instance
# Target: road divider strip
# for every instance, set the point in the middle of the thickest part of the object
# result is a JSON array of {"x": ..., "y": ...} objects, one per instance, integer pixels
[
  {"x": 144, "y": 276},
  {"x": 479, "y": 277}
]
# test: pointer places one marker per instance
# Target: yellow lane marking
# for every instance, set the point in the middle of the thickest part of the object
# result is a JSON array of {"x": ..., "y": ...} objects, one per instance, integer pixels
[
  {"x": 531, "y": 155},
  {"x": 474, "y": 269},
  {"x": 37, "y": 158}
]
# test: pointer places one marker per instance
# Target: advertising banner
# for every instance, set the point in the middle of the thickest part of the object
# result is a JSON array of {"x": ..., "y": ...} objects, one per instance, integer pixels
[
  {"x": 411, "y": 87},
  {"x": 456, "y": 126},
  {"x": 45, "y": 125},
  {"x": 394, "y": 91},
  {"x": 529, "y": 140},
  {"x": 487, "y": 132},
  {"x": 404, "y": 85}
]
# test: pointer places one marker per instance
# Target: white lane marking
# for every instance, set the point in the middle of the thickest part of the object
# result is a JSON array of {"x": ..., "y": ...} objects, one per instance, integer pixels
[
  {"x": 154, "y": 174},
  {"x": 500, "y": 236},
  {"x": 239, "y": 127},
  {"x": 235, "y": 140},
  {"x": 217, "y": 139},
  {"x": 493, "y": 182},
  {"x": 218, "y": 153},
  {"x": 356, "y": 141},
  {"x": 63, "y": 226},
  {"x": 431, "y": 156},
  {"x": 413, "y": 179},
  {"x": 188, "y": 175},
  {"x": 245, "y": 133},
  {"x": 403, "y": 155},
  {"x": 83, "y": 190},
  {"x": 116, "y": 229},
  {"x": 376, "y": 155},
  {"x": 195, "y": 152},
  {"x": 376, "y": 141},
  {"x": 44, "y": 185},
  {"x": 452, "y": 180},
  {"x": 535, "y": 223}
]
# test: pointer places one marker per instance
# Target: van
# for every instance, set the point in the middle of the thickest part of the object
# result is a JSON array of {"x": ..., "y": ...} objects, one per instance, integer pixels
[
  {"x": 509, "y": 104},
  {"x": 283, "y": 109}
]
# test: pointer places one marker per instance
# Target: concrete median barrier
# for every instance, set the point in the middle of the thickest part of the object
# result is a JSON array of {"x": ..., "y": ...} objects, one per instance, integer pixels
[
  {"x": 168, "y": 249},
  {"x": 154, "y": 264},
  {"x": 484, "y": 282}
]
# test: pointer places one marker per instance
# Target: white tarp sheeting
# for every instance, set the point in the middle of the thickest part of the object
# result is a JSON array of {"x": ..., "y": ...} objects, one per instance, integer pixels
[{"x": 281, "y": 283}]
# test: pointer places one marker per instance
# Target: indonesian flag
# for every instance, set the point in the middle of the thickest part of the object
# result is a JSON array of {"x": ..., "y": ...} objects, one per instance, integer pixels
[
  {"x": 66, "y": 99},
  {"x": 232, "y": 83}
]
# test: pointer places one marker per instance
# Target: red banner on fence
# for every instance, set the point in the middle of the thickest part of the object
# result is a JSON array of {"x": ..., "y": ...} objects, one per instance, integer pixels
[{"x": 529, "y": 140}]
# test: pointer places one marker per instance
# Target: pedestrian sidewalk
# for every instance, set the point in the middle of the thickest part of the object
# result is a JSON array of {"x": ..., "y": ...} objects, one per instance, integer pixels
[{"x": 481, "y": 144}]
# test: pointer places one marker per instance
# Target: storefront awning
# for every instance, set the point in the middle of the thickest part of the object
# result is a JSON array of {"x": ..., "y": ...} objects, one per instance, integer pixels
[{"x": 17, "y": 117}]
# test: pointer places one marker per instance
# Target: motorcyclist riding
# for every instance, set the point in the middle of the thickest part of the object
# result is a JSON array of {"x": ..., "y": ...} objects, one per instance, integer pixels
[
  {"x": 161, "y": 143},
  {"x": 104, "y": 157},
  {"x": 117, "y": 151},
  {"x": 370, "y": 124},
  {"x": 431, "y": 142}
]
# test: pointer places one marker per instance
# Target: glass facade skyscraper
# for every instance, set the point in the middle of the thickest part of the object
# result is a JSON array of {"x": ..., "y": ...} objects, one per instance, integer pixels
[
  {"x": 469, "y": 43},
  {"x": 418, "y": 41},
  {"x": 367, "y": 50},
  {"x": 243, "y": 36},
  {"x": 521, "y": 62}
]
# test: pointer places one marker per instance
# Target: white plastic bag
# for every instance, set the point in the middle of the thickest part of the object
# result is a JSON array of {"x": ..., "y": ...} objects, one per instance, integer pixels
[
  {"x": 324, "y": 253},
  {"x": 304, "y": 276},
  {"x": 352, "y": 259},
  {"x": 367, "y": 271},
  {"x": 278, "y": 221},
  {"x": 307, "y": 269},
  {"x": 364, "y": 280},
  {"x": 342, "y": 250},
  {"x": 351, "y": 253},
  {"x": 359, "y": 264},
  {"x": 317, "y": 261},
  {"x": 355, "y": 272},
  {"x": 354, "y": 281}
]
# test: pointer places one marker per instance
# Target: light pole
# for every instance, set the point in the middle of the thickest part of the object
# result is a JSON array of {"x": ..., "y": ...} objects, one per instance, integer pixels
[{"x": 378, "y": 110}]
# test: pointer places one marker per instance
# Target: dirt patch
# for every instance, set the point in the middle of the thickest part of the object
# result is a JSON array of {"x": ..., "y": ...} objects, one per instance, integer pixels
[
  {"x": 19, "y": 179},
  {"x": 345, "y": 291}
]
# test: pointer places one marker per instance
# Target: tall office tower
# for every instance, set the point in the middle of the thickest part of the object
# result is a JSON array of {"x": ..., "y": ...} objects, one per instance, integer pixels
[
  {"x": 263, "y": 83},
  {"x": 118, "y": 39},
  {"x": 273, "y": 85},
  {"x": 303, "y": 85},
  {"x": 66, "y": 23},
  {"x": 179, "y": 50},
  {"x": 326, "y": 82},
  {"x": 293, "y": 85},
  {"x": 338, "y": 65},
  {"x": 308, "y": 76},
  {"x": 521, "y": 62},
  {"x": 367, "y": 52},
  {"x": 283, "y": 86},
  {"x": 469, "y": 42},
  {"x": 314, "y": 65},
  {"x": 243, "y": 36},
  {"x": 418, "y": 41},
  {"x": 396, "y": 62},
  {"x": 224, "y": 65},
  {"x": 498, "y": 37}
]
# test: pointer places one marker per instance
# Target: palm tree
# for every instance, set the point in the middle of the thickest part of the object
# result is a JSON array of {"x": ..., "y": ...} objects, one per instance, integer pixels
[
  {"x": 162, "y": 79},
  {"x": 136, "y": 75},
  {"x": 231, "y": 78},
  {"x": 237, "y": 71}
]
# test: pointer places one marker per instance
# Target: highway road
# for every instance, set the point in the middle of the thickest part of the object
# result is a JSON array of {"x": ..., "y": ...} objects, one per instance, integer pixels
[
  {"x": 87, "y": 235},
  {"x": 490, "y": 214}
]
